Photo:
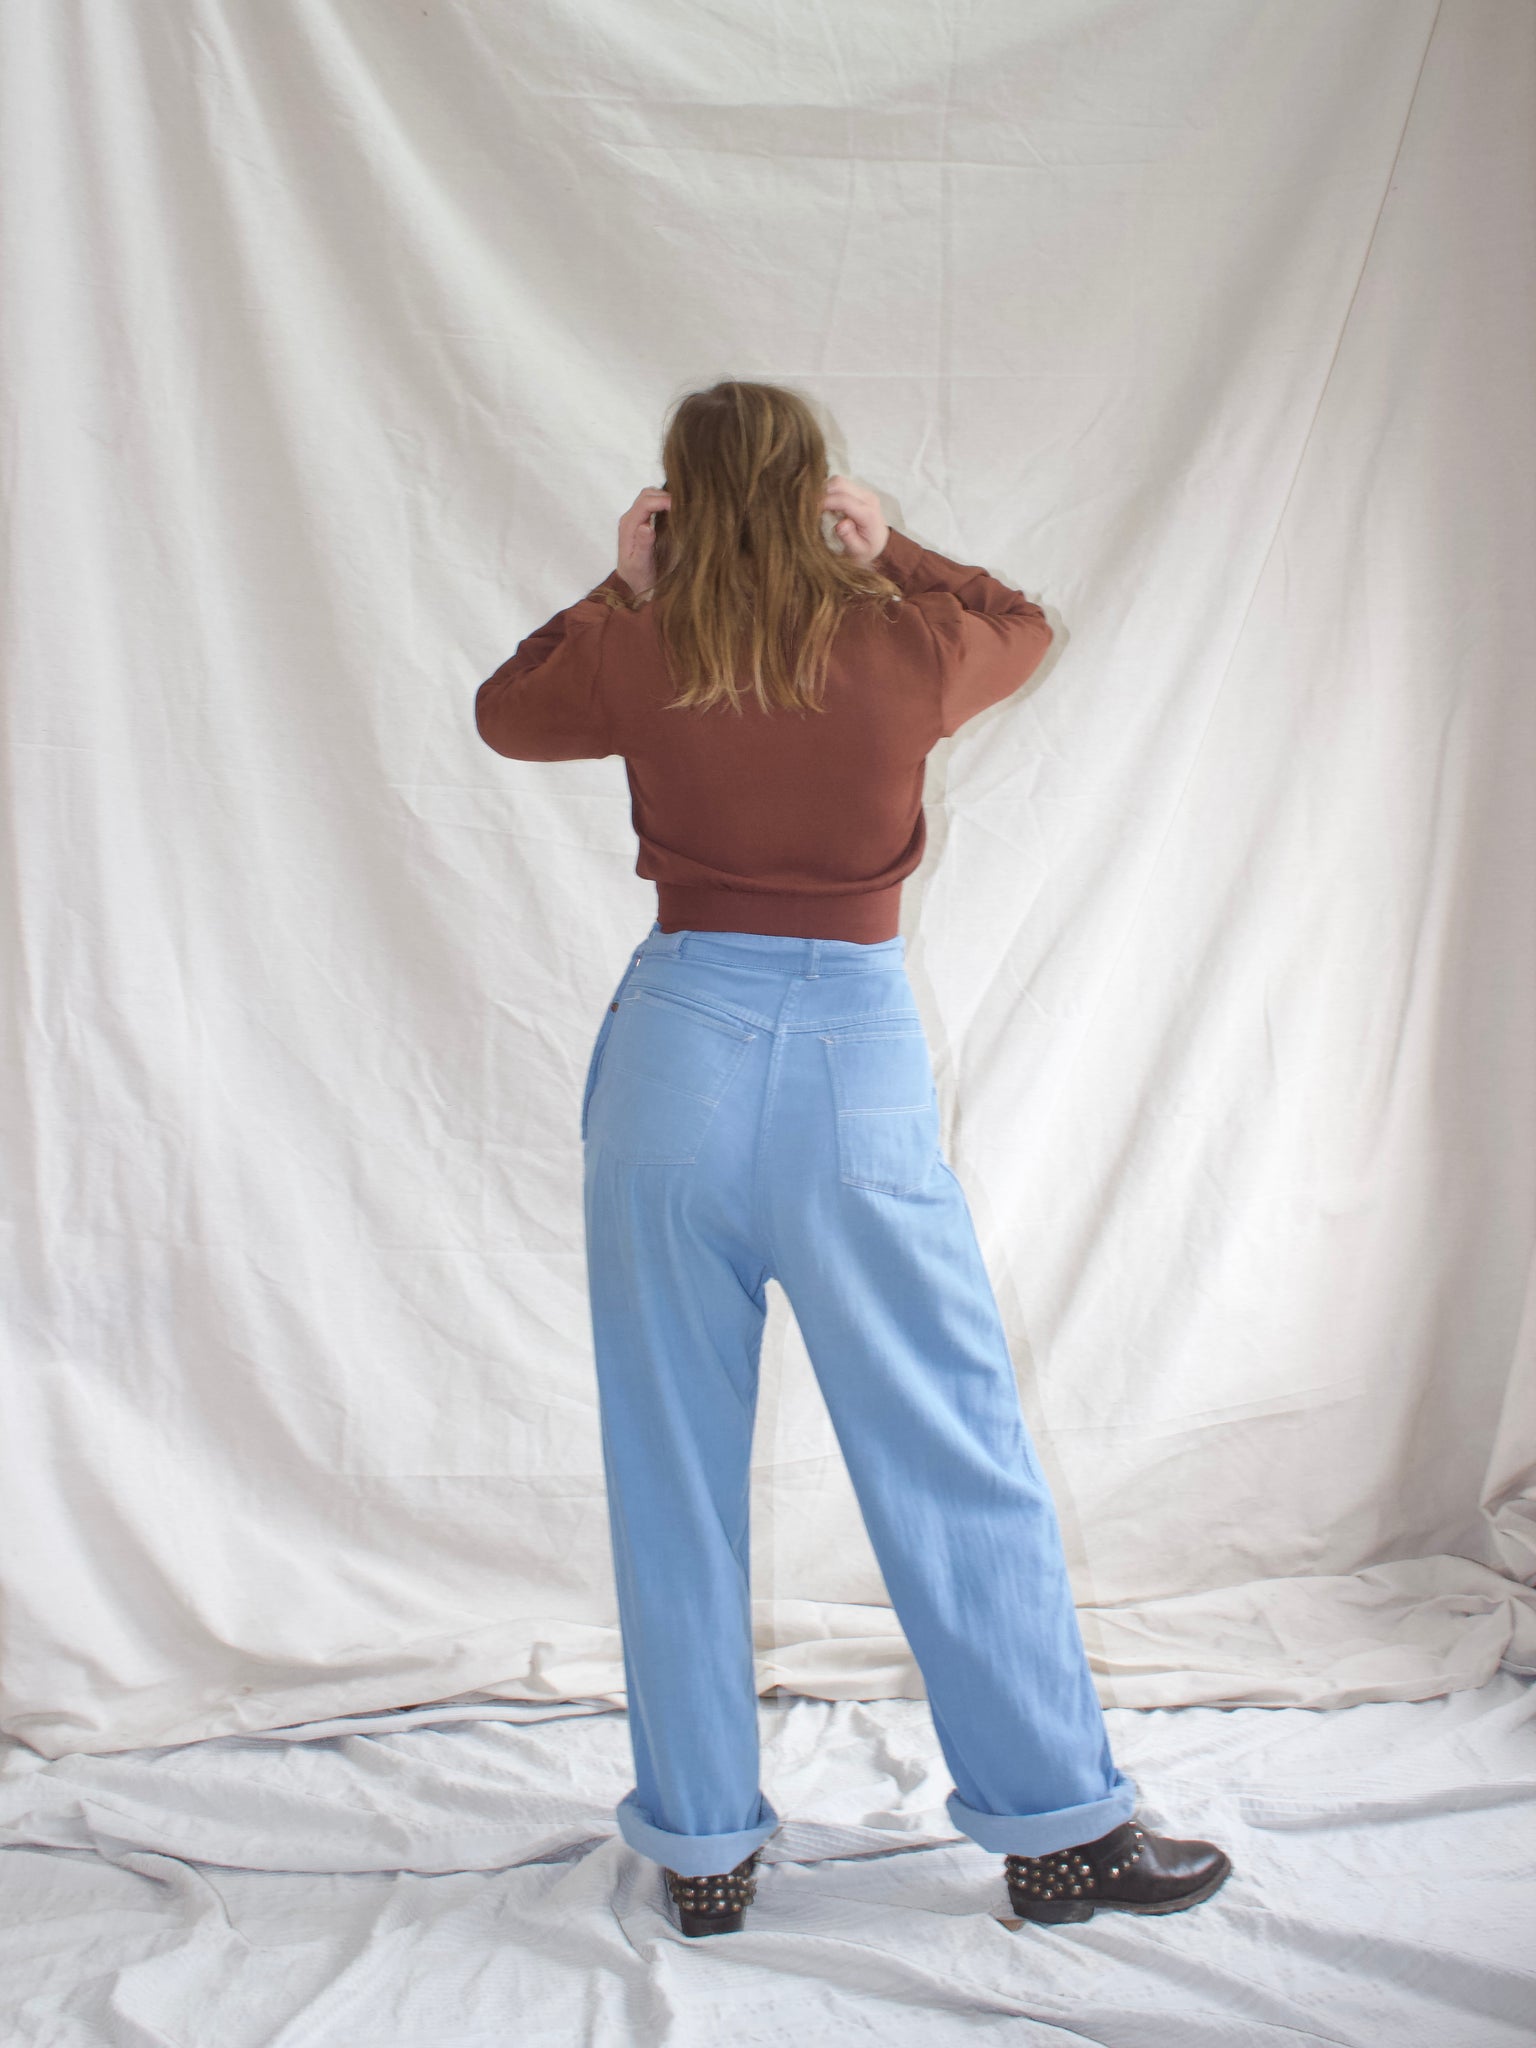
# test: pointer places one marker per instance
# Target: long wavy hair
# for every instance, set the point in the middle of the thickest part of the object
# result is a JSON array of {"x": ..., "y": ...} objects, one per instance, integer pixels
[{"x": 747, "y": 583}]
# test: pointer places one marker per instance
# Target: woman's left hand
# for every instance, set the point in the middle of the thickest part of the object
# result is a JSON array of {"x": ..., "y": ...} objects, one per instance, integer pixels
[{"x": 637, "y": 540}]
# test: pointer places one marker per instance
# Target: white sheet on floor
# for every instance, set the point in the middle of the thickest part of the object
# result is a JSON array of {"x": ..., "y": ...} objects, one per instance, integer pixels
[
  {"x": 339, "y": 335},
  {"x": 459, "y": 1885}
]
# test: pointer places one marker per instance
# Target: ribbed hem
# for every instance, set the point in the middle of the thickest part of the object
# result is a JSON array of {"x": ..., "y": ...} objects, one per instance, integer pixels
[
  {"x": 691, "y": 1855},
  {"x": 1042, "y": 1834},
  {"x": 699, "y": 908}
]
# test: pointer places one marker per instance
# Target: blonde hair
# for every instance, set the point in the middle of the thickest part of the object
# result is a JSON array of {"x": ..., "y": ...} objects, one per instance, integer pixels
[{"x": 746, "y": 584}]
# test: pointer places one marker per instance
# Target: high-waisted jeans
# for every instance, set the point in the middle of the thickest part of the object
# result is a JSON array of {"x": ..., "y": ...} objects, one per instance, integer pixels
[{"x": 760, "y": 1106}]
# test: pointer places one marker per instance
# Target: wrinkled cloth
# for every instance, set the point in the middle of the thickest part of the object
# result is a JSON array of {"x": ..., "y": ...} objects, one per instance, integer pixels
[
  {"x": 338, "y": 338},
  {"x": 421, "y": 1884}
]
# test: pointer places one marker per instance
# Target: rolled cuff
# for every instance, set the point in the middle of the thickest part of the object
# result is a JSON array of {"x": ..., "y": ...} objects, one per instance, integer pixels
[
  {"x": 692, "y": 1855},
  {"x": 1041, "y": 1834}
]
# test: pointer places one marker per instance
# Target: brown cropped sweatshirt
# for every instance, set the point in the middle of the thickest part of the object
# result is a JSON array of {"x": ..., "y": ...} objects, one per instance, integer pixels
[{"x": 800, "y": 824}]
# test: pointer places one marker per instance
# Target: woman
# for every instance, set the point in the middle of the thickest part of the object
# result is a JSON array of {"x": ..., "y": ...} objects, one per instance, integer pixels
[{"x": 760, "y": 1103}]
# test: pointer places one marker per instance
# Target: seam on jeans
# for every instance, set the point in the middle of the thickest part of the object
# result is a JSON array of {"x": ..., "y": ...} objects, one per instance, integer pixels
[
  {"x": 747, "y": 1018},
  {"x": 599, "y": 1051},
  {"x": 875, "y": 1036},
  {"x": 872, "y": 1022},
  {"x": 863, "y": 970},
  {"x": 726, "y": 1021},
  {"x": 760, "y": 1208}
]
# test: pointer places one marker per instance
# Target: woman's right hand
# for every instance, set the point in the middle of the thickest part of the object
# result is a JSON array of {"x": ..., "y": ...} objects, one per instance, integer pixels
[{"x": 860, "y": 524}]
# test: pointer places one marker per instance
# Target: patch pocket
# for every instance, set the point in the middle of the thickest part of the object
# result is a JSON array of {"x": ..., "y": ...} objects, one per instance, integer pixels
[
  {"x": 668, "y": 1064},
  {"x": 887, "y": 1108}
]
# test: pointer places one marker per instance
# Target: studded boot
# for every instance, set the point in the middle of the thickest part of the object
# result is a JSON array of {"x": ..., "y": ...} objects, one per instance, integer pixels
[
  {"x": 1130, "y": 1867},
  {"x": 714, "y": 1905}
]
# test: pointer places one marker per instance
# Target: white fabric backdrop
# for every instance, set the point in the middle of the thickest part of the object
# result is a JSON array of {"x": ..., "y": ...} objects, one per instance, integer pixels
[{"x": 338, "y": 334}]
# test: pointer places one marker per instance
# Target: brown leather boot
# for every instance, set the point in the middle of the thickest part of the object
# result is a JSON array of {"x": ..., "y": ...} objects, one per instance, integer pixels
[
  {"x": 714, "y": 1905},
  {"x": 1130, "y": 1867}
]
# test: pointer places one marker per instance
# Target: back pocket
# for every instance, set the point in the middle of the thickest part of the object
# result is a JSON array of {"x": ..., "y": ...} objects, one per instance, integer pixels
[
  {"x": 887, "y": 1107},
  {"x": 667, "y": 1065}
]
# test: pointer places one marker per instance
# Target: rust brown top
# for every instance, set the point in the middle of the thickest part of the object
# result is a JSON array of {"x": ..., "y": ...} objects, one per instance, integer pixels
[{"x": 802, "y": 825}]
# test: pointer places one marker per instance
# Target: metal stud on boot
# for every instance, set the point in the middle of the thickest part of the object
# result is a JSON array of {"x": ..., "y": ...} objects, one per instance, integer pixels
[
  {"x": 1130, "y": 1867},
  {"x": 714, "y": 1905}
]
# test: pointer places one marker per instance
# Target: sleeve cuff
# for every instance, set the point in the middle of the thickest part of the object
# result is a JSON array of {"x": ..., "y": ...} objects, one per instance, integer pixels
[{"x": 899, "y": 557}]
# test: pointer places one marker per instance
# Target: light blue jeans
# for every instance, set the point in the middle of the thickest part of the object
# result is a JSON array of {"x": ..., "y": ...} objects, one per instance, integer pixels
[{"x": 760, "y": 1106}]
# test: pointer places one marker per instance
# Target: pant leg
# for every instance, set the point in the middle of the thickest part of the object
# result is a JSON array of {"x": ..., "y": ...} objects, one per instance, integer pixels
[
  {"x": 875, "y": 1247},
  {"x": 678, "y": 1304}
]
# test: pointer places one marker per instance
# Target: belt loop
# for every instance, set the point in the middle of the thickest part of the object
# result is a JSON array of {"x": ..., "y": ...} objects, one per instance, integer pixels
[{"x": 813, "y": 972}]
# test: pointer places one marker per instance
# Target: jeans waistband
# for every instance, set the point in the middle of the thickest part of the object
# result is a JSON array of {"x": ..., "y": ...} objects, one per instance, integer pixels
[{"x": 809, "y": 958}]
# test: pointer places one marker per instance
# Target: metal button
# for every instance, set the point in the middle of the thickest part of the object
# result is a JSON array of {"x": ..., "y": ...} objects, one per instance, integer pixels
[{"x": 613, "y": 1006}]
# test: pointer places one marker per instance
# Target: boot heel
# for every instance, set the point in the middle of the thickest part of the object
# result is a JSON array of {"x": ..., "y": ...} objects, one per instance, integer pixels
[
  {"x": 716, "y": 1904},
  {"x": 711, "y": 1923},
  {"x": 1050, "y": 1912},
  {"x": 1051, "y": 1889}
]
